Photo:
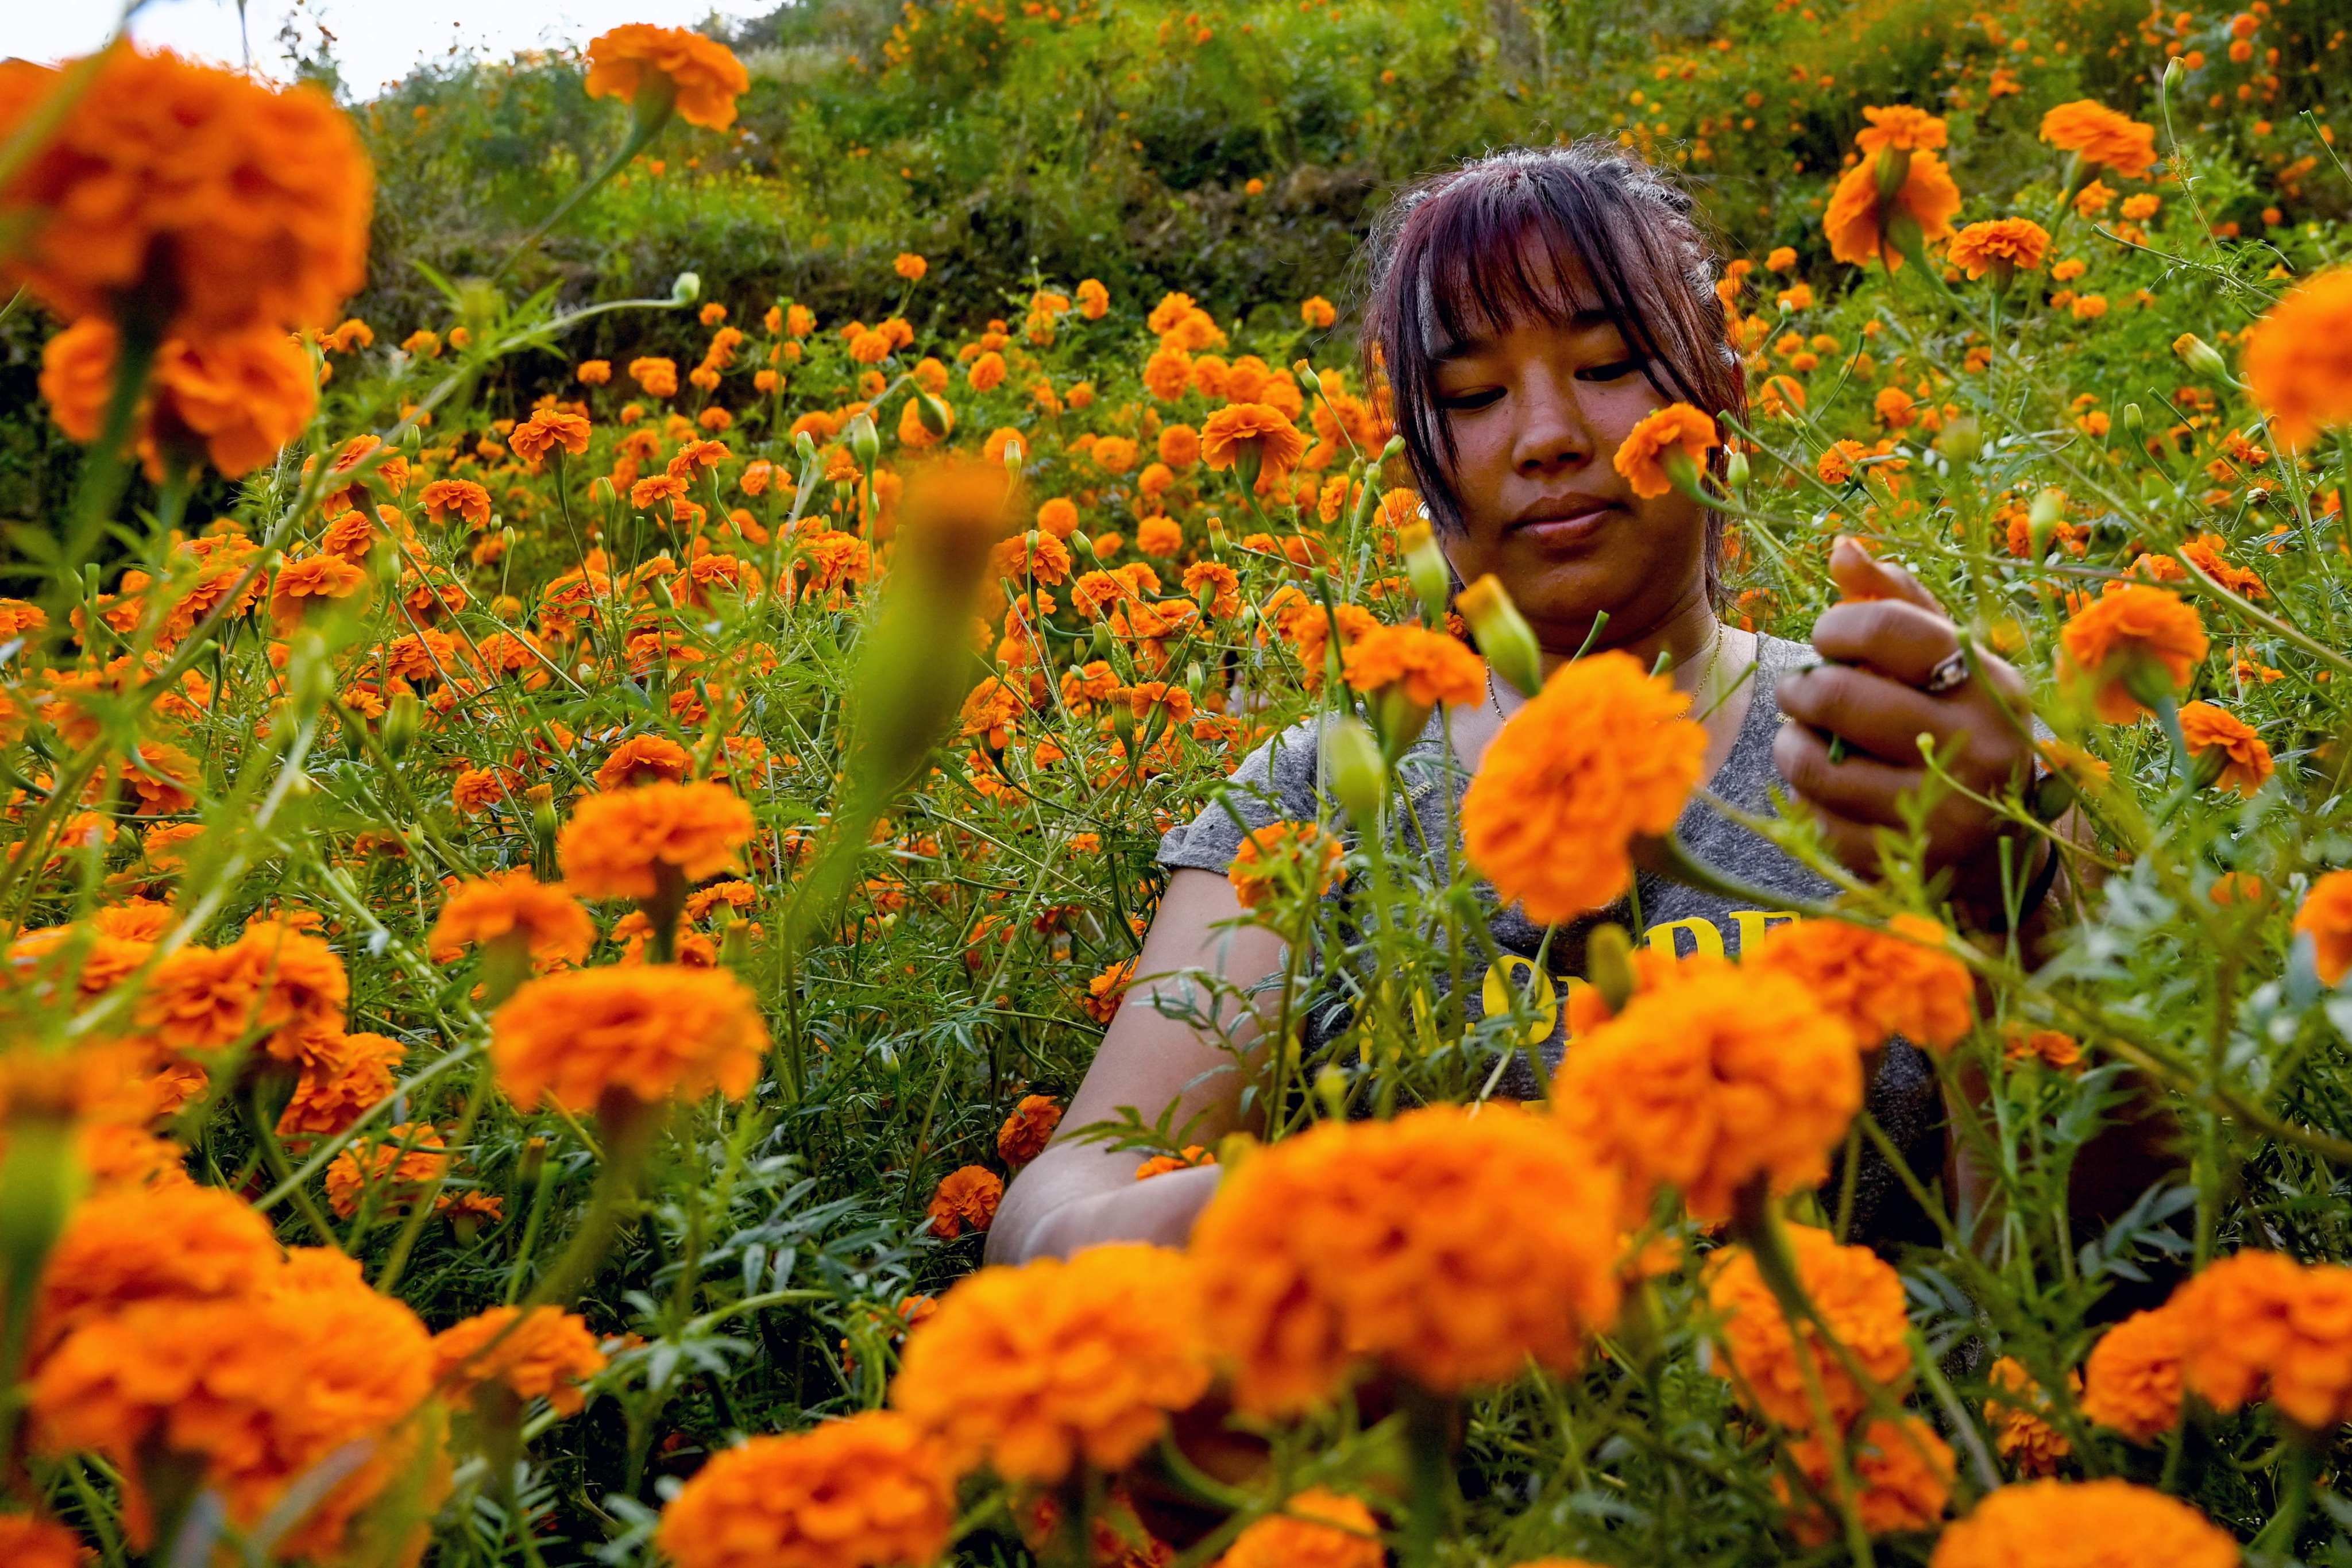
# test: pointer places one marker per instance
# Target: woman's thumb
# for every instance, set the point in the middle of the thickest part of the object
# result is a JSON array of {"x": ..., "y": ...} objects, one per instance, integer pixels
[{"x": 1861, "y": 576}]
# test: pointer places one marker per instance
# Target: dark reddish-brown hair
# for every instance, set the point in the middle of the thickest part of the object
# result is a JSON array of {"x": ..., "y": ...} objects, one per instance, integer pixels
[{"x": 1457, "y": 255}]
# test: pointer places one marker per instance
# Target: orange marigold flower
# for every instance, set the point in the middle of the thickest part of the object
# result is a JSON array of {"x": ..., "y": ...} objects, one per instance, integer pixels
[
  {"x": 620, "y": 844},
  {"x": 1108, "y": 990},
  {"x": 2133, "y": 642},
  {"x": 2298, "y": 359},
  {"x": 864, "y": 1492},
  {"x": 1903, "y": 980},
  {"x": 2326, "y": 917},
  {"x": 2259, "y": 1324},
  {"x": 2131, "y": 1381},
  {"x": 1903, "y": 1473},
  {"x": 1643, "y": 456},
  {"x": 1711, "y": 1077},
  {"x": 2101, "y": 137},
  {"x": 461, "y": 498},
  {"x": 1037, "y": 1369},
  {"x": 1858, "y": 1295},
  {"x": 1859, "y": 220},
  {"x": 344, "y": 1079},
  {"x": 966, "y": 1199},
  {"x": 230, "y": 398},
  {"x": 1191, "y": 1157},
  {"x": 2221, "y": 741},
  {"x": 647, "y": 1033},
  {"x": 27, "y": 1542},
  {"x": 1902, "y": 125},
  {"x": 232, "y": 206},
  {"x": 309, "y": 581},
  {"x": 175, "y": 1244},
  {"x": 546, "y": 430},
  {"x": 393, "y": 1171},
  {"x": 2002, "y": 245},
  {"x": 1603, "y": 755},
  {"x": 550, "y": 1353},
  {"x": 1428, "y": 666},
  {"x": 654, "y": 69},
  {"x": 1026, "y": 1132},
  {"x": 2020, "y": 1421},
  {"x": 1315, "y": 1529},
  {"x": 1238, "y": 429},
  {"x": 1354, "y": 1245},
  {"x": 2051, "y": 1047},
  {"x": 1285, "y": 854},
  {"x": 2084, "y": 1524},
  {"x": 642, "y": 759}
]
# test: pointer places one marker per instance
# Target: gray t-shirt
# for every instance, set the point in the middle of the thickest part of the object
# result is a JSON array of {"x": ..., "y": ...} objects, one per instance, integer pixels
[{"x": 1277, "y": 782}]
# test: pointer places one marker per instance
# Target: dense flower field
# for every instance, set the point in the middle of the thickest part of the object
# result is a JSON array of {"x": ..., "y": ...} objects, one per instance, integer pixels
[{"x": 538, "y": 934}]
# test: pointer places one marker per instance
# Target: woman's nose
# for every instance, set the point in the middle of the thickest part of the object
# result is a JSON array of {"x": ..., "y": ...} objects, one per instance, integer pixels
[{"x": 1553, "y": 431}]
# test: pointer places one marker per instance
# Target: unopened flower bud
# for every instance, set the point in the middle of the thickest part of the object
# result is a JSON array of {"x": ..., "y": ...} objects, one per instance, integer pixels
[
  {"x": 1609, "y": 962},
  {"x": 2200, "y": 356},
  {"x": 401, "y": 722},
  {"x": 412, "y": 440},
  {"x": 932, "y": 413},
  {"x": 865, "y": 441},
  {"x": 1082, "y": 543},
  {"x": 805, "y": 444},
  {"x": 601, "y": 490},
  {"x": 686, "y": 290},
  {"x": 2132, "y": 420},
  {"x": 1012, "y": 456},
  {"x": 2049, "y": 508},
  {"x": 1424, "y": 567},
  {"x": 1308, "y": 378},
  {"x": 1331, "y": 1090},
  {"x": 1502, "y": 634},
  {"x": 1735, "y": 469},
  {"x": 1962, "y": 440},
  {"x": 1353, "y": 769}
]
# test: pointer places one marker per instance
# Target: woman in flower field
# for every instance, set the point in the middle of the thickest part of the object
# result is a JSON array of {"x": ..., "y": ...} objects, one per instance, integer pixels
[
  {"x": 1550, "y": 323},
  {"x": 905, "y": 915}
]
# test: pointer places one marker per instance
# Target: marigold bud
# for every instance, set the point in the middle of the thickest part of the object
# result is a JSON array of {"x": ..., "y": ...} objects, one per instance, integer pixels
[
  {"x": 1356, "y": 771},
  {"x": 1502, "y": 634}
]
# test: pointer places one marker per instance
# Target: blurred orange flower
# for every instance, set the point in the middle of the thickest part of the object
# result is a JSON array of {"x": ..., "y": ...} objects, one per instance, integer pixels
[
  {"x": 1859, "y": 1297},
  {"x": 2101, "y": 137},
  {"x": 1880, "y": 984},
  {"x": 549, "y": 1353},
  {"x": 646, "y": 1033},
  {"x": 621, "y": 843},
  {"x": 866, "y": 1491},
  {"x": 2083, "y": 1525},
  {"x": 654, "y": 69}
]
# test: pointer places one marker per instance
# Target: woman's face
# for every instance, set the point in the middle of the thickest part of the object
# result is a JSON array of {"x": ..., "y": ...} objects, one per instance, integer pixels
[{"x": 1537, "y": 411}]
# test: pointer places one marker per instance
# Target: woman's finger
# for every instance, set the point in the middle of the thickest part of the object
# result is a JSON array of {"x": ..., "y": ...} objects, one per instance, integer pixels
[
  {"x": 1859, "y": 575},
  {"x": 1882, "y": 717},
  {"x": 1855, "y": 844},
  {"x": 1857, "y": 788},
  {"x": 1899, "y": 641}
]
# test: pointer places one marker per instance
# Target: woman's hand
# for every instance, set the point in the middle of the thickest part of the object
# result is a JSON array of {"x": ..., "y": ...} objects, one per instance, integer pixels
[{"x": 1885, "y": 641}]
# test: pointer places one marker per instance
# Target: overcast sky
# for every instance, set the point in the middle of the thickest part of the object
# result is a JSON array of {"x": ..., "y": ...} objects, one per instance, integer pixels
[{"x": 376, "y": 41}]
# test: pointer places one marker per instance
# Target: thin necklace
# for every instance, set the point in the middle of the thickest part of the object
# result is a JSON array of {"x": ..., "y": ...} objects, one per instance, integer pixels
[{"x": 1707, "y": 671}]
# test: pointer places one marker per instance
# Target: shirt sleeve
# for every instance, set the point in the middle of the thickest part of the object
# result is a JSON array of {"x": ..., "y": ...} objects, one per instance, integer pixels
[{"x": 1276, "y": 783}]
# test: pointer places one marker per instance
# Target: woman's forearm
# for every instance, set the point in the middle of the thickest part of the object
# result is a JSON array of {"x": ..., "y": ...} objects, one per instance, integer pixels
[{"x": 1085, "y": 1199}]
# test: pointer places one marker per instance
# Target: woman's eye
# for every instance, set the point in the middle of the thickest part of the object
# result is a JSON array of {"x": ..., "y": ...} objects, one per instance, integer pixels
[
  {"x": 1464, "y": 401},
  {"x": 1615, "y": 370}
]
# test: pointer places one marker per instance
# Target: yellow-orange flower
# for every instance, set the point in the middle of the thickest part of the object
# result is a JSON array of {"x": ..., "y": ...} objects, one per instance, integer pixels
[
  {"x": 2298, "y": 358},
  {"x": 1859, "y": 220},
  {"x": 549, "y": 1353},
  {"x": 312, "y": 580},
  {"x": 2137, "y": 635},
  {"x": 1902, "y": 125},
  {"x": 2326, "y": 917},
  {"x": 1356, "y": 1244},
  {"x": 2002, "y": 246},
  {"x": 1713, "y": 1076},
  {"x": 2100, "y": 136},
  {"x": 391, "y": 1170},
  {"x": 1037, "y": 1369},
  {"x": 646, "y": 1033},
  {"x": 1858, "y": 1295},
  {"x": 229, "y": 398},
  {"x": 2241, "y": 757},
  {"x": 1603, "y": 755},
  {"x": 652, "y": 68},
  {"x": 965, "y": 1199},
  {"x": 1283, "y": 850},
  {"x": 216, "y": 202},
  {"x": 2261, "y": 1325},
  {"x": 1677, "y": 427},
  {"x": 27, "y": 1542},
  {"x": 1903, "y": 980},
  {"x": 177, "y": 1245},
  {"x": 1028, "y": 1128},
  {"x": 1903, "y": 1473},
  {"x": 2016, "y": 1411},
  {"x": 871, "y": 1491},
  {"x": 2131, "y": 1381},
  {"x": 342, "y": 1079},
  {"x": 546, "y": 430},
  {"x": 1428, "y": 667},
  {"x": 1315, "y": 1529},
  {"x": 620, "y": 844},
  {"x": 1233, "y": 430},
  {"x": 2085, "y": 1524},
  {"x": 548, "y": 922}
]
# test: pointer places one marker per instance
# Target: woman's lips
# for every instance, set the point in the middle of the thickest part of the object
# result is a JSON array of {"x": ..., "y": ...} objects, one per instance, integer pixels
[{"x": 1576, "y": 528}]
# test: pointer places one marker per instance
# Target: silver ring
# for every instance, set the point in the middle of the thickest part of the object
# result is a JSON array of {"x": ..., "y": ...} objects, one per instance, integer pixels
[{"x": 1950, "y": 673}]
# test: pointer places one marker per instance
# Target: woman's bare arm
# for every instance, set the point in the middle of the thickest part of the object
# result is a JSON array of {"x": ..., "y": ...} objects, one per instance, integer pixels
[{"x": 1077, "y": 1193}]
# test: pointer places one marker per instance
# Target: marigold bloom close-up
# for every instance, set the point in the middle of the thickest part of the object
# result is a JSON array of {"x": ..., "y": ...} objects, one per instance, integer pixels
[
  {"x": 646, "y": 65},
  {"x": 2002, "y": 246},
  {"x": 2258, "y": 1325},
  {"x": 871, "y": 1490},
  {"x": 1642, "y": 456},
  {"x": 2101, "y": 137},
  {"x": 1857, "y": 1294},
  {"x": 1605, "y": 754},
  {"x": 2298, "y": 358},
  {"x": 1035, "y": 1370},
  {"x": 1900, "y": 981},
  {"x": 2227, "y": 743},
  {"x": 1356, "y": 1245},
  {"x": 2132, "y": 644},
  {"x": 2326, "y": 915},
  {"x": 547, "y": 1353},
  {"x": 2105, "y": 1523},
  {"x": 2131, "y": 1381},
  {"x": 1315, "y": 1529},
  {"x": 1902, "y": 1479},
  {"x": 232, "y": 399},
  {"x": 2018, "y": 1411},
  {"x": 620, "y": 844},
  {"x": 27, "y": 1542},
  {"x": 1279, "y": 852},
  {"x": 1715, "y": 1076},
  {"x": 547, "y": 430},
  {"x": 1028, "y": 1128},
  {"x": 546, "y": 921},
  {"x": 1862, "y": 223},
  {"x": 169, "y": 1244},
  {"x": 1427, "y": 666},
  {"x": 1240, "y": 427},
  {"x": 966, "y": 1199},
  {"x": 646, "y": 1033}
]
